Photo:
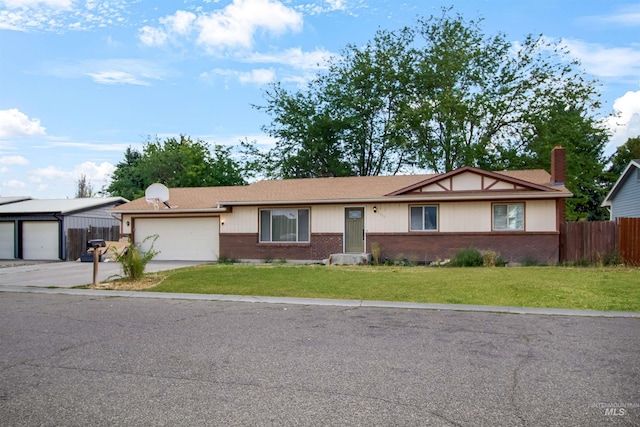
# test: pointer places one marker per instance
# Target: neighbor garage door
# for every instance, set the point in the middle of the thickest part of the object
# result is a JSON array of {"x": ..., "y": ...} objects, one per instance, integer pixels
[
  {"x": 184, "y": 239},
  {"x": 7, "y": 240},
  {"x": 40, "y": 240}
]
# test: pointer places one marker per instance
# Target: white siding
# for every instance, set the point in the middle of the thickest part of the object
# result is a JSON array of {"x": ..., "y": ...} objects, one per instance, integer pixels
[
  {"x": 329, "y": 218},
  {"x": 389, "y": 218},
  {"x": 7, "y": 240},
  {"x": 465, "y": 217},
  {"x": 540, "y": 215},
  {"x": 243, "y": 219},
  {"x": 467, "y": 181}
]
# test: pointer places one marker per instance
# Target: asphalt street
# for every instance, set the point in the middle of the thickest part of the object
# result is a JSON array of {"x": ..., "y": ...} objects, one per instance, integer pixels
[{"x": 78, "y": 360}]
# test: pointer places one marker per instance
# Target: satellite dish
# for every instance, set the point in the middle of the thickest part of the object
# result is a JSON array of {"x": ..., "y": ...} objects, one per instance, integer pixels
[{"x": 156, "y": 193}]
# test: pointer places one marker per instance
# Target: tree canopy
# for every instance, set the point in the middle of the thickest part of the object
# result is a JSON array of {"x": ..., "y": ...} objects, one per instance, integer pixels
[
  {"x": 174, "y": 163},
  {"x": 628, "y": 151},
  {"x": 437, "y": 96}
]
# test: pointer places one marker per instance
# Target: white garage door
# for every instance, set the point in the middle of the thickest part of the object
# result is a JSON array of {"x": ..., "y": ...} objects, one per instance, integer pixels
[
  {"x": 184, "y": 239},
  {"x": 40, "y": 240},
  {"x": 7, "y": 240}
]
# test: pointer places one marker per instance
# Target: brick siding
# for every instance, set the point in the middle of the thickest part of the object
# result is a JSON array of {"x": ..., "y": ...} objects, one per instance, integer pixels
[
  {"x": 513, "y": 247},
  {"x": 246, "y": 246}
]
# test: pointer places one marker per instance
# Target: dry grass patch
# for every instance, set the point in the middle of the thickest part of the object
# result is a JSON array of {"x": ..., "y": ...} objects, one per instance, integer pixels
[{"x": 148, "y": 281}]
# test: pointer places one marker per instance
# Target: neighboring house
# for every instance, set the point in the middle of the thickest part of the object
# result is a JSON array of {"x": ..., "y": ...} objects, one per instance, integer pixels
[
  {"x": 623, "y": 200},
  {"x": 419, "y": 217},
  {"x": 37, "y": 229}
]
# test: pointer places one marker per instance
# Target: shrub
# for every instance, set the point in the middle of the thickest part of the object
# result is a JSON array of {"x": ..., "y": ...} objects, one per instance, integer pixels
[
  {"x": 375, "y": 252},
  {"x": 133, "y": 261},
  {"x": 224, "y": 260},
  {"x": 470, "y": 257}
]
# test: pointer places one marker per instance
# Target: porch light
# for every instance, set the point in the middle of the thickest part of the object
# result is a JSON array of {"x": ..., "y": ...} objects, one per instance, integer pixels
[{"x": 375, "y": 209}]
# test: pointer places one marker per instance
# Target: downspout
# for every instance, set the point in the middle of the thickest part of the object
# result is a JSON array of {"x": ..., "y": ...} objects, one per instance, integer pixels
[{"x": 62, "y": 238}]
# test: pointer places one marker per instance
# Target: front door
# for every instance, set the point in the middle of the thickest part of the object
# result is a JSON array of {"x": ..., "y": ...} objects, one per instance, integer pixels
[{"x": 354, "y": 230}]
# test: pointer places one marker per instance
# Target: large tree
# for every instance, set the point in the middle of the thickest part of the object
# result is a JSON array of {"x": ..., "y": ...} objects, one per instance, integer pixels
[
  {"x": 437, "y": 96},
  {"x": 349, "y": 120},
  {"x": 175, "y": 163},
  {"x": 584, "y": 140}
]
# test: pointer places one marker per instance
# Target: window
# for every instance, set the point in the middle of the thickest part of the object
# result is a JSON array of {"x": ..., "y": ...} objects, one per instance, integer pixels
[
  {"x": 424, "y": 218},
  {"x": 508, "y": 216},
  {"x": 284, "y": 225}
]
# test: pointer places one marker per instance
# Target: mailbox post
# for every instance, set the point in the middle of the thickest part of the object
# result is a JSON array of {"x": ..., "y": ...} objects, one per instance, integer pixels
[{"x": 96, "y": 244}]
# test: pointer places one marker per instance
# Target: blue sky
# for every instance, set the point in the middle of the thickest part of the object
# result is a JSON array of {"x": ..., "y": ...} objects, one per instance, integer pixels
[{"x": 81, "y": 80}]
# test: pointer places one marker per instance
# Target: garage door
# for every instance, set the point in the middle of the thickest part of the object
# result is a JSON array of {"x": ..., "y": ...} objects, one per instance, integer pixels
[
  {"x": 7, "y": 240},
  {"x": 184, "y": 239},
  {"x": 40, "y": 240}
]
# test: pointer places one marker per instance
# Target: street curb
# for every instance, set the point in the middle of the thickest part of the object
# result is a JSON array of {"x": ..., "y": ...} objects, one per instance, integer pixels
[{"x": 326, "y": 302}]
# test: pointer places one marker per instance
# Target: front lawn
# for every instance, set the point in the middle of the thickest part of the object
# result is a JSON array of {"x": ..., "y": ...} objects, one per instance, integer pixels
[{"x": 612, "y": 289}]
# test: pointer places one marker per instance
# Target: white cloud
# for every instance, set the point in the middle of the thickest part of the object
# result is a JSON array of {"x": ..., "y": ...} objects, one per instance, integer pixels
[
  {"x": 14, "y": 183},
  {"x": 98, "y": 176},
  {"x": 179, "y": 23},
  {"x": 626, "y": 16},
  {"x": 294, "y": 57},
  {"x": 13, "y": 160},
  {"x": 94, "y": 146},
  {"x": 110, "y": 71},
  {"x": 14, "y": 123},
  {"x": 26, "y": 4},
  {"x": 258, "y": 76},
  {"x": 116, "y": 77},
  {"x": 233, "y": 26},
  {"x": 62, "y": 15},
  {"x": 152, "y": 36},
  {"x": 604, "y": 61},
  {"x": 626, "y": 123}
]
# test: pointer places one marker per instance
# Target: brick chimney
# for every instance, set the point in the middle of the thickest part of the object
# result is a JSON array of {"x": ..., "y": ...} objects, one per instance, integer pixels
[{"x": 558, "y": 165}]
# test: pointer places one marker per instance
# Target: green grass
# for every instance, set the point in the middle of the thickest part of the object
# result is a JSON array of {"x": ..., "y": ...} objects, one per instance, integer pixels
[{"x": 611, "y": 289}]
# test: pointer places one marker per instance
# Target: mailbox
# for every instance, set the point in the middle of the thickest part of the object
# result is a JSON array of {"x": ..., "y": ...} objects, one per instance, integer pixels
[{"x": 96, "y": 243}]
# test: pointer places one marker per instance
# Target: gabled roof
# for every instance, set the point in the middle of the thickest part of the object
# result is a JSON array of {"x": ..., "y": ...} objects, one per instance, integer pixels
[
  {"x": 445, "y": 181},
  {"x": 632, "y": 166},
  {"x": 357, "y": 189},
  {"x": 58, "y": 206}
]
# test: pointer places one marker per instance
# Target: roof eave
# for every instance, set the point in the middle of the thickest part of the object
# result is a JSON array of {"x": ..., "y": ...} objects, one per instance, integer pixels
[
  {"x": 395, "y": 199},
  {"x": 607, "y": 200},
  {"x": 169, "y": 211}
]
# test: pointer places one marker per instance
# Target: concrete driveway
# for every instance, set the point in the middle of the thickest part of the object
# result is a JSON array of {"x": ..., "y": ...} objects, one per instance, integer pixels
[{"x": 70, "y": 274}]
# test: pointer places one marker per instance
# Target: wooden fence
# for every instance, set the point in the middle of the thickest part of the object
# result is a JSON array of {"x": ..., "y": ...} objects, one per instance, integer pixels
[
  {"x": 629, "y": 240},
  {"x": 598, "y": 241},
  {"x": 77, "y": 239}
]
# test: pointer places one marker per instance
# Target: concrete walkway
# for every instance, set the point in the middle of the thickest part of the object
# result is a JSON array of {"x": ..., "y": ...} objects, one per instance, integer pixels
[{"x": 326, "y": 302}]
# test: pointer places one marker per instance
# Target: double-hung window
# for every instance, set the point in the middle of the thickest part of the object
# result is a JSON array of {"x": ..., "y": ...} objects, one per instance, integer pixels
[
  {"x": 508, "y": 216},
  {"x": 424, "y": 218},
  {"x": 284, "y": 225}
]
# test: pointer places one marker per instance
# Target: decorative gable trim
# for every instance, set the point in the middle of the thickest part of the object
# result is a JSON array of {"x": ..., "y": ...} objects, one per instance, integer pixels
[{"x": 469, "y": 178}]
